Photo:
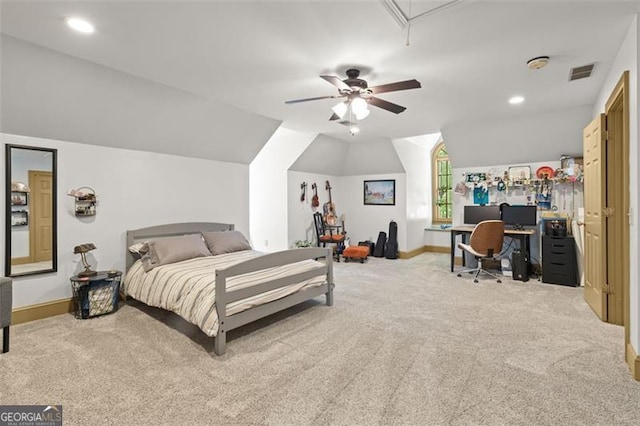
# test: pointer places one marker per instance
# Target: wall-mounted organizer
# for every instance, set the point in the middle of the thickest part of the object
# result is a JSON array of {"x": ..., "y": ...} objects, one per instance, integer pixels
[
  {"x": 545, "y": 187},
  {"x": 85, "y": 201}
]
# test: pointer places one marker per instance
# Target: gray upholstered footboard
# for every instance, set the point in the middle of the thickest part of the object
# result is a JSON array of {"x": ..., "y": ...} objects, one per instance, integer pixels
[{"x": 223, "y": 297}]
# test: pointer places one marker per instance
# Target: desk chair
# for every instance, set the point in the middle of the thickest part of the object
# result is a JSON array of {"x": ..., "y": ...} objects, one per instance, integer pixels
[
  {"x": 485, "y": 244},
  {"x": 6, "y": 295},
  {"x": 325, "y": 235}
]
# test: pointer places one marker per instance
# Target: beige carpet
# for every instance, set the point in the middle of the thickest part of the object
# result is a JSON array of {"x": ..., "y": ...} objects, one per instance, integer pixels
[{"x": 406, "y": 342}]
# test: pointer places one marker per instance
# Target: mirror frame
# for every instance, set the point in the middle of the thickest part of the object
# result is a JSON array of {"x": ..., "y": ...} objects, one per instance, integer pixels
[{"x": 54, "y": 213}]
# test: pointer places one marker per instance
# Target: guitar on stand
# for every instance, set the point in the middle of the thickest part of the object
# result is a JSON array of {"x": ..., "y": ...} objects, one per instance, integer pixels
[
  {"x": 331, "y": 220},
  {"x": 329, "y": 209},
  {"x": 314, "y": 200}
]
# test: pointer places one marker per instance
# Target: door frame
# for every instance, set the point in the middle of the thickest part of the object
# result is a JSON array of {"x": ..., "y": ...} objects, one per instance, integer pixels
[
  {"x": 617, "y": 122},
  {"x": 621, "y": 93}
]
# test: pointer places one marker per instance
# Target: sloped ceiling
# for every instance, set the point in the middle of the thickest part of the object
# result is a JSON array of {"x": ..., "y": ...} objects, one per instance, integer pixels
[
  {"x": 256, "y": 54},
  {"x": 51, "y": 95},
  {"x": 520, "y": 140},
  {"x": 335, "y": 157},
  {"x": 225, "y": 68},
  {"x": 325, "y": 156},
  {"x": 371, "y": 158}
]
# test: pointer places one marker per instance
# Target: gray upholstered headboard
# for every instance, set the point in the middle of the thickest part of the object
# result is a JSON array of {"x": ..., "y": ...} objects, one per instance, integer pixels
[{"x": 169, "y": 230}]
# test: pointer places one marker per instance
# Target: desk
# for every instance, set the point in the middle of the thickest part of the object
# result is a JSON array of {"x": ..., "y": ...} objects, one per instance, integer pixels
[{"x": 523, "y": 236}]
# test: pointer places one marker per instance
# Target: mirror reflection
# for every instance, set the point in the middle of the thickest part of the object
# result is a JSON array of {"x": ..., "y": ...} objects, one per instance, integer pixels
[{"x": 31, "y": 210}]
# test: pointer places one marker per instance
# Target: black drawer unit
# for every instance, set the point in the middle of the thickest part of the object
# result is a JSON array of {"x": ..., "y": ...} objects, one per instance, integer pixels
[{"x": 559, "y": 261}]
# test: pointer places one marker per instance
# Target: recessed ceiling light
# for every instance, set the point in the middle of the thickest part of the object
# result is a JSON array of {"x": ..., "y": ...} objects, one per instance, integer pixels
[
  {"x": 80, "y": 25},
  {"x": 515, "y": 100}
]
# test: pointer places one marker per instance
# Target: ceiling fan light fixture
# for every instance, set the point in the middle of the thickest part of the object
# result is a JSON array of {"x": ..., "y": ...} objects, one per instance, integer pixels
[
  {"x": 359, "y": 107},
  {"x": 361, "y": 115},
  {"x": 340, "y": 109}
]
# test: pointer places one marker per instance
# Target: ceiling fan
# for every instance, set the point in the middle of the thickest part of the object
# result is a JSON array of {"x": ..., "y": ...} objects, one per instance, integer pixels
[{"x": 358, "y": 95}]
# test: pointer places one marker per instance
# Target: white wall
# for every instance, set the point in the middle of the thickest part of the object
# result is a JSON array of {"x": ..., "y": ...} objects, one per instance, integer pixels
[
  {"x": 300, "y": 221},
  {"x": 628, "y": 59},
  {"x": 437, "y": 238},
  {"x": 134, "y": 189},
  {"x": 364, "y": 222},
  {"x": 415, "y": 155},
  {"x": 269, "y": 191}
]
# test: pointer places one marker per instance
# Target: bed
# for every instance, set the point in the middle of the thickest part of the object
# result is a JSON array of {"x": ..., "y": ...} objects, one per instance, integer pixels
[{"x": 222, "y": 292}]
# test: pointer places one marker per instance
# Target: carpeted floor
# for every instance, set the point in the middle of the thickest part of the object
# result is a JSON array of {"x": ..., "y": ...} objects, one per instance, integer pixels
[{"x": 406, "y": 343}]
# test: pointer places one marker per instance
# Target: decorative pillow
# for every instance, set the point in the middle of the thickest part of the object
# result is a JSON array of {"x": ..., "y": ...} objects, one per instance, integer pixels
[
  {"x": 225, "y": 242},
  {"x": 139, "y": 249},
  {"x": 175, "y": 249}
]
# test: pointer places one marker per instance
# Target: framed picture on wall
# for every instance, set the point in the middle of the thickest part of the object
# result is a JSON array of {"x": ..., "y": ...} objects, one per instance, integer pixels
[{"x": 380, "y": 192}]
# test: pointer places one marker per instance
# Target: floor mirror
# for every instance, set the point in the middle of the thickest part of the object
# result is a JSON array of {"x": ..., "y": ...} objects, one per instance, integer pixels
[{"x": 30, "y": 219}]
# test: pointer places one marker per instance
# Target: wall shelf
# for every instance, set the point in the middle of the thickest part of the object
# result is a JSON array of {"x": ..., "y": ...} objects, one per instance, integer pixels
[{"x": 85, "y": 201}]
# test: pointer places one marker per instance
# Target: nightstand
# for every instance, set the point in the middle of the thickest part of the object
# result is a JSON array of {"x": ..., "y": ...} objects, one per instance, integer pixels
[{"x": 96, "y": 295}]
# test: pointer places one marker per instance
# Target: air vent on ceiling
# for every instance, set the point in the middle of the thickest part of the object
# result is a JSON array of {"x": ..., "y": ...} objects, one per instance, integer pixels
[{"x": 581, "y": 72}]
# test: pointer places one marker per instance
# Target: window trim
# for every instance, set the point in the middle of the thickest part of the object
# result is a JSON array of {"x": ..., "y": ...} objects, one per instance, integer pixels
[{"x": 435, "y": 219}]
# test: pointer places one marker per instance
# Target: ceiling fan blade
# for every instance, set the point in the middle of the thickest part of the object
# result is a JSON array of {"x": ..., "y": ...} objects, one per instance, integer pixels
[
  {"x": 334, "y": 117},
  {"x": 336, "y": 82},
  {"x": 380, "y": 103},
  {"x": 295, "y": 101},
  {"x": 346, "y": 123},
  {"x": 393, "y": 87}
]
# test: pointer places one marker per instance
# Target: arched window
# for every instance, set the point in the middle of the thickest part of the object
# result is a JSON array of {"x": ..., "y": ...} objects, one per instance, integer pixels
[{"x": 441, "y": 184}]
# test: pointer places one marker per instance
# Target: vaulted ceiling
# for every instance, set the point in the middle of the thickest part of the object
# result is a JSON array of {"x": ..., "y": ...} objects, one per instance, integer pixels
[{"x": 253, "y": 55}]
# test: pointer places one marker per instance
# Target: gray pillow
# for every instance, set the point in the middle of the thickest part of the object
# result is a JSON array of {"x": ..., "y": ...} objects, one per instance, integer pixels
[
  {"x": 175, "y": 249},
  {"x": 225, "y": 242}
]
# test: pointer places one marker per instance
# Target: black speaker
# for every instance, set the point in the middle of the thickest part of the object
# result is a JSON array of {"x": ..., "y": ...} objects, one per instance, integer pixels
[{"x": 520, "y": 266}]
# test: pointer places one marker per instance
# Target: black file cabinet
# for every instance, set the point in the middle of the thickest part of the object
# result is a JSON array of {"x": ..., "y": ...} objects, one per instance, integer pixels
[{"x": 559, "y": 261}]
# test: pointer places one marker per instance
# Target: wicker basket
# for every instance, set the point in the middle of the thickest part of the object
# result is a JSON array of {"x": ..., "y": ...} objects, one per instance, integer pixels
[{"x": 95, "y": 298}]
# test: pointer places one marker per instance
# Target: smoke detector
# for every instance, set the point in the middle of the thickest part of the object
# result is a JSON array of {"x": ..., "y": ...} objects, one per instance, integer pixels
[{"x": 538, "y": 62}]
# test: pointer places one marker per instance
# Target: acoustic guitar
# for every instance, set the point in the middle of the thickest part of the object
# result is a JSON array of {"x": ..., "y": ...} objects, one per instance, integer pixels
[
  {"x": 314, "y": 200},
  {"x": 303, "y": 187},
  {"x": 329, "y": 209}
]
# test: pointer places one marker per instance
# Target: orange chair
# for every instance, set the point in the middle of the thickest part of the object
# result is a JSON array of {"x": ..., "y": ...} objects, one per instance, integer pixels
[
  {"x": 485, "y": 244},
  {"x": 326, "y": 235}
]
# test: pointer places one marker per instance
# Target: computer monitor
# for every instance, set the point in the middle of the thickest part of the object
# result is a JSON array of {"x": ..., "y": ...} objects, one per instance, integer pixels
[
  {"x": 476, "y": 214},
  {"x": 519, "y": 216}
]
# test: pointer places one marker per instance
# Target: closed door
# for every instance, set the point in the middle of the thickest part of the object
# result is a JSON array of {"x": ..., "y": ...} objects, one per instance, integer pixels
[
  {"x": 41, "y": 215},
  {"x": 594, "y": 226}
]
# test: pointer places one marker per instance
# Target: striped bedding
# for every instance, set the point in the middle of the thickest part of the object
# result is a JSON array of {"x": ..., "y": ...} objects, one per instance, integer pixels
[{"x": 188, "y": 287}]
